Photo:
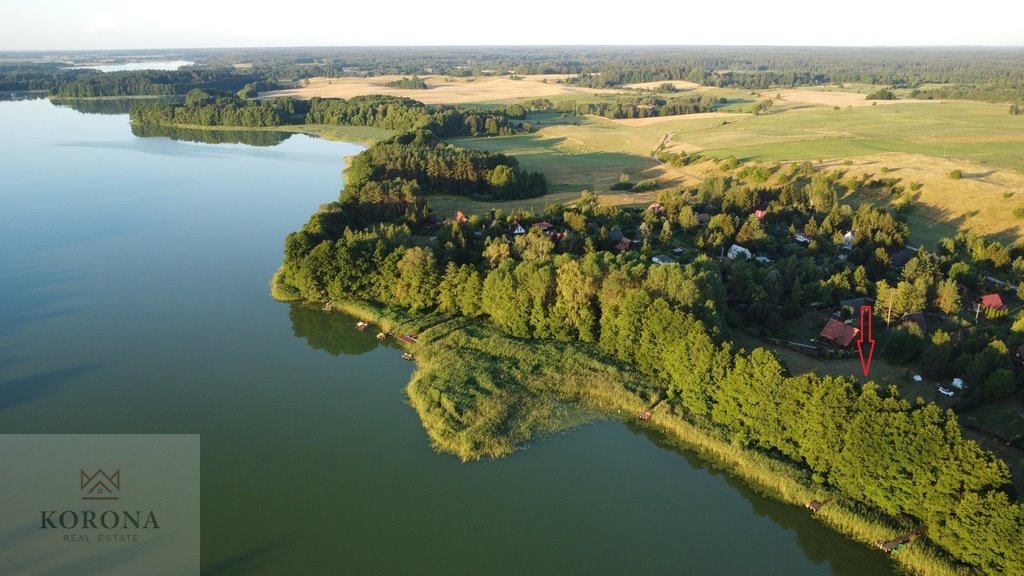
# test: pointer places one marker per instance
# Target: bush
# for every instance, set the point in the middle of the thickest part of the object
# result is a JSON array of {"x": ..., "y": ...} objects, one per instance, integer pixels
[
  {"x": 645, "y": 185},
  {"x": 956, "y": 174},
  {"x": 881, "y": 94}
]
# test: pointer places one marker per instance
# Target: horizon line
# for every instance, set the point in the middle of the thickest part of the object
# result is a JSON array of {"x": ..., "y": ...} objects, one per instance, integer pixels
[{"x": 496, "y": 46}]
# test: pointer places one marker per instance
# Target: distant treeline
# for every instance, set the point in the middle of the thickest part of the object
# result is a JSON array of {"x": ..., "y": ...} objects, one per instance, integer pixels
[
  {"x": 153, "y": 82},
  {"x": 397, "y": 113},
  {"x": 203, "y": 109},
  {"x": 742, "y": 67},
  {"x": 388, "y": 112},
  {"x": 413, "y": 83},
  {"x": 645, "y": 107},
  {"x": 1004, "y": 91},
  {"x": 22, "y": 78},
  {"x": 66, "y": 82}
]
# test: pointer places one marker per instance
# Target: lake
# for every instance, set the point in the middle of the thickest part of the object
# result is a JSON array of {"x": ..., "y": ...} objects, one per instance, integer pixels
[
  {"x": 140, "y": 65},
  {"x": 134, "y": 299}
]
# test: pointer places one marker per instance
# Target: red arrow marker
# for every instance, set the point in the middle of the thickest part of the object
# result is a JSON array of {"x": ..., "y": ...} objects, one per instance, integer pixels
[{"x": 865, "y": 328}]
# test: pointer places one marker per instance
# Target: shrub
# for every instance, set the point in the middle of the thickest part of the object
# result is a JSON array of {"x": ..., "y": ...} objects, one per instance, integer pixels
[
  {"x": 956, "y": 174},
  {"x": 645, "y": 185}
]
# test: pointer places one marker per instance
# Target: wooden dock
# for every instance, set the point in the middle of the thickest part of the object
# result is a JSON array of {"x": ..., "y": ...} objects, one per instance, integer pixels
[{"x": 890, "y": 546}]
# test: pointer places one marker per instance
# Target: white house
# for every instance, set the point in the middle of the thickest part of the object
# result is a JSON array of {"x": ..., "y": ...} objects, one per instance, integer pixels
[{"x": 735, "y": 251}]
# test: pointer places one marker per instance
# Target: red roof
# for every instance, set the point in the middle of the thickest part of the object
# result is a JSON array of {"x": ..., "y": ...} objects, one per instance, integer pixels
[
  {"x": 993, "y": 301},
  {"x": 839, "y": 333},
  {"x": 623, "y": 244},
  {"x": 543, "y": 225},
  {"x": 760, "y": 213},
  {"x": 460, "y": 217}
]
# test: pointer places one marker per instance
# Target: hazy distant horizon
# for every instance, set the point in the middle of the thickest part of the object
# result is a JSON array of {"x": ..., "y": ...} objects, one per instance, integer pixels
[
  {"x": 66, "y": 25},
  {"x": 169, "y": 51}
]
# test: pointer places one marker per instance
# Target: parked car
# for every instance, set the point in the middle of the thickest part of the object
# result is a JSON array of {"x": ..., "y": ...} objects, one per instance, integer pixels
[{"x": 946, "y": 391}]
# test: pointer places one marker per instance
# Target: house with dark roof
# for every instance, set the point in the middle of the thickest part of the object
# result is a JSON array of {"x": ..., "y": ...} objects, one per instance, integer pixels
[
  {"x": 915, "y": 318},
  {"x": 838, "y": 334}
]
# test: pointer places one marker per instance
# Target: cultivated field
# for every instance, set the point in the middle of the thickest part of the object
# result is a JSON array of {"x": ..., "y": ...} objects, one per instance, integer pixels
[{"x": 442, "y": 89}]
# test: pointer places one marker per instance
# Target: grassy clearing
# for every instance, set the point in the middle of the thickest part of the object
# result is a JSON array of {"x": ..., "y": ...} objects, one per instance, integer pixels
[{"x": 1005, "y": 419}]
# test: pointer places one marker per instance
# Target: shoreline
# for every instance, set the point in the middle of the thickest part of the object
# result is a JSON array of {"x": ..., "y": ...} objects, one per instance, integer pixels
[{"x": 774, "y": 478}]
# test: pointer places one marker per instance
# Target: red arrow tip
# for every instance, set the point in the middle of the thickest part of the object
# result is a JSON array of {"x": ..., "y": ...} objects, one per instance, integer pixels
[
  {"x": 865, "y": 329},
  {"x": 865, "y": 363}
]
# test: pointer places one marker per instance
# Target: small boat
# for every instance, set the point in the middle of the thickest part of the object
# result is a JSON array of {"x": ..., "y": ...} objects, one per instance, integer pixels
[
  {"x": 408, "y": 338},
  {"x": 406, "y": 356},
  {"x": 361, "y": 325},
  {"x": 644, "y": 415},
  {"x": 382, "y": 335}
]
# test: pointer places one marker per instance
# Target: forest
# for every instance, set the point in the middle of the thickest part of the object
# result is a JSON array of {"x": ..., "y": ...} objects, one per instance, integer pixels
[
  {"x": 389, "y": 112},
  {"x": 648, "y": 106}
]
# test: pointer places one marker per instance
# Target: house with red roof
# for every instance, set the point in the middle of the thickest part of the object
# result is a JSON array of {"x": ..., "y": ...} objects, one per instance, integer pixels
[
  {"x": 992, "y": 302},
  {"x": 838, "y": 334}
]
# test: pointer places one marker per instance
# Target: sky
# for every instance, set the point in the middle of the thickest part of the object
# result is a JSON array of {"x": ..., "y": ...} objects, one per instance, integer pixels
[{"x": 137, "y": 24}]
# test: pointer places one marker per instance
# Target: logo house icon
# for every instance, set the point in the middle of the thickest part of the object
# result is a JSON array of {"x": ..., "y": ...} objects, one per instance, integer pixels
[{"x": 100, "y": 485}]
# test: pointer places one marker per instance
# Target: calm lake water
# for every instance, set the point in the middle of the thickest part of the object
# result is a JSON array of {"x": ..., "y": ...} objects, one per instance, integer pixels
[
  {"x": 134, "y": 299},
  {"x": 142, "y": 65}
]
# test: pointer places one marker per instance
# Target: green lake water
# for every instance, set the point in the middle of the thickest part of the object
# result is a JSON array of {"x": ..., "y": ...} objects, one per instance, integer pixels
[{"x": 134, "y": 299}]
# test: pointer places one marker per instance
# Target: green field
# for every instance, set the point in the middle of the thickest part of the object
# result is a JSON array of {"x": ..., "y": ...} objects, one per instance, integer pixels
[{"x": 976, "y": 132}]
